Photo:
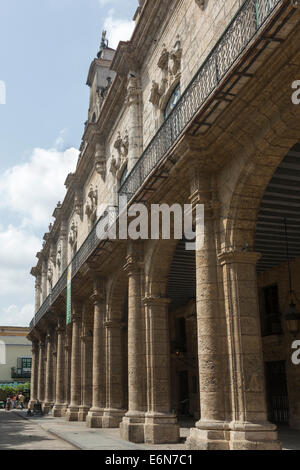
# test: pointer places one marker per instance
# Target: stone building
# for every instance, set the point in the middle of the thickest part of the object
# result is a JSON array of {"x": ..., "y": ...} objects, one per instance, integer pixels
[{"x": 199, "y": 107}]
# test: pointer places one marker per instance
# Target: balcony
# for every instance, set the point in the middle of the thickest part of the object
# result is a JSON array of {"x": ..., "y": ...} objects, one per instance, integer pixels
[
  {"x": 248, "y": 24},
  {"x": 20, "y": 373}
]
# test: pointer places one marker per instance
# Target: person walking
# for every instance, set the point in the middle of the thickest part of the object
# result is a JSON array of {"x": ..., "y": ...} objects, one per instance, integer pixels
[
  {"x": 8, "y": 404},
  {"x": 21, "y": 401}
]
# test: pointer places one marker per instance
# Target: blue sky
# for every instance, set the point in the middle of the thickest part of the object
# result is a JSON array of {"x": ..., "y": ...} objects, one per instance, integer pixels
[{"x": 46, "y": 47}]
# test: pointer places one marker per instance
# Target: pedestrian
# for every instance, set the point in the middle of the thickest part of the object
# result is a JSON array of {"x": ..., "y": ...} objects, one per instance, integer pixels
[
  {"x": 8, "y": 404},
  {"x": 14, "y": 400},
  {"x": 21, "y": 400}
]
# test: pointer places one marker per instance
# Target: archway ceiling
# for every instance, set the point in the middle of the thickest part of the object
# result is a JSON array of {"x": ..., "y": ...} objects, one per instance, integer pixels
[{"x": 281, "y": 201}]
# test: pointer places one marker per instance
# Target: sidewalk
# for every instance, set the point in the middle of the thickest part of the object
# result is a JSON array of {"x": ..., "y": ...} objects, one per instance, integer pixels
[{"x": 84, "y": 438}]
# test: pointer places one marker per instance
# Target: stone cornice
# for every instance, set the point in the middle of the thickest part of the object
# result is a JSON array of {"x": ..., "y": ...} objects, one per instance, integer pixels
[{"x": 241, "y": 257}]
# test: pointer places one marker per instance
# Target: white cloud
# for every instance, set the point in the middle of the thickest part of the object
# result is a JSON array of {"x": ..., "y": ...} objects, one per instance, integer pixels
[
  {"x": 117, "y": 29},
  {"x": 13, "y": 315},
  {"x": 28, "y": 194},
  {"x": 32, "y": 189}
]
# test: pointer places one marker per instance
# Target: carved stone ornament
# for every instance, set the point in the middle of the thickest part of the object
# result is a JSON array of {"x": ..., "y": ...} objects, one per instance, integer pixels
[
  {"x": 122, "y": 146},
  {"x": 73, "y": 233},
  {"x": 50, "y": 274},
  {"x": 91, "y": 204},
  {"x": 59, "y": 255},
  {"x": 170, "y": 66},
  {"x": 133, "y": 90}
]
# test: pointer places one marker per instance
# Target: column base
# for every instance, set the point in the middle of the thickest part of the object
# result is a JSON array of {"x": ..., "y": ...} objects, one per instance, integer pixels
[
  {"x": 112, "y": 417},
  {"x": 94, "y": 418},
  {"x": 132, "y": 427},
  {"x": 31, "y": 404},
  {"x": 46, "y": 407},
  {"x": 83, "y": 412},
  {"x": 72, "y": 413},
  {"x": 58, "y": 410},
  {"x": 64, "y": 409},
  {"x": 161, "y": 429},
  {"x": 209, "y": 436},
  {"x": 254, "y": 436}
]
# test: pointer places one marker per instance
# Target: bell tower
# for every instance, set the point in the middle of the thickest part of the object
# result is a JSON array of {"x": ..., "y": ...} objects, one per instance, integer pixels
[{"x": 100, "y": 78}]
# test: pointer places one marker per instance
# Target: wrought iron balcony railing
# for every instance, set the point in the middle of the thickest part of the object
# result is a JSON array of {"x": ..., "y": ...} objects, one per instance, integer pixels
[
  {"x": 249, "y": 19},
  {"x": 239, "y": 33},
  {"x": 20, "y": 373}
]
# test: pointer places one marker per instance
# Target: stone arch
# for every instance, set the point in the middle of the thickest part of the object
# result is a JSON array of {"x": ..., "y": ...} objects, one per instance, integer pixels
[
  {"x": 157, "y": 267},
  {"x": 253, "y": 177}
]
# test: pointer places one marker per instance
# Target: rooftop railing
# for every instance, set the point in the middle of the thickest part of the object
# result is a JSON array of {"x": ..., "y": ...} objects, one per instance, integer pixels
[{"x": 249, "y": 19}]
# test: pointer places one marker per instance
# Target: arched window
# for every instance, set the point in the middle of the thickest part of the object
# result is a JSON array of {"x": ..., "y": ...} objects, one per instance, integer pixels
[
  {"x": 173, "y": 100},
  {"x": 124, "y": 175}
]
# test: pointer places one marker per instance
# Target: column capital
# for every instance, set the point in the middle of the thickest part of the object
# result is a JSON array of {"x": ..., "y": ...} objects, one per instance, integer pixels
[
  {"x": 242, "y": 257},
  {"x": 132, "y": 265},
  {"x": 97, "y": 297}
]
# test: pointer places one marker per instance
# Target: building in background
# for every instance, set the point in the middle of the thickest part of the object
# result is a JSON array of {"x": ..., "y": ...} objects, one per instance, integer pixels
[{"x": 15, "y": 355}]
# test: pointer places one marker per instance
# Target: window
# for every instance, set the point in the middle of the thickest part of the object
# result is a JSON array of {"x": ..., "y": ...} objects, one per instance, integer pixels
[{"x": 173, "y": 100}]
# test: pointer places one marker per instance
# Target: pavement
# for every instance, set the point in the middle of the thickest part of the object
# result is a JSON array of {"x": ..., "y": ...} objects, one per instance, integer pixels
[{"x": 17, "y": 431}]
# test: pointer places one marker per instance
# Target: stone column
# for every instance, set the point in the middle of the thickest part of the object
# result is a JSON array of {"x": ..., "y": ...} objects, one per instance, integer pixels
[
  {"x": 86, "y": 367},
  {"x": 249, "y": 428},
  {"x": 161, "y": 424},
  {"x": 38, "y": 293},
  {"x": 135, "y": 127},
  {"x": 41, "y": 372},
  {"x": 132, "y": 426},
  {"x": 210, "y": 430},
  {"x": 94, "y": 417},
  {"x": 44, "y": 280},
  {"x": 73, "y": 409},
  {"x": 48, "y": 402},
  {"x": 60, "y": 371},
  {"x": 67, "y": 374},
  {"x": 34, "y": 374},
  {"x": 114, "y": 410}
]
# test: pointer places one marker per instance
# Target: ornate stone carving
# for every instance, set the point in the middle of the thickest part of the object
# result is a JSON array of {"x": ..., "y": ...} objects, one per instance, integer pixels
[
  {"x": 91, "y": 204},
  {"x": 122, "y": 146},
  {"x": 170, "y": 66},
  {"x": 73, "y": 233},
  {"x": 59, "y": 256}
]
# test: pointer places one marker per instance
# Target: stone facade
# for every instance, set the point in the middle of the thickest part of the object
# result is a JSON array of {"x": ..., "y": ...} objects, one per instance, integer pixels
[{"x": 158, "y": 335}]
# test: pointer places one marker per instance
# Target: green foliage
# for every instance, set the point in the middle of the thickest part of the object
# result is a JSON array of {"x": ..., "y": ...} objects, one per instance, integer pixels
[{"x": 14, "y": 389}]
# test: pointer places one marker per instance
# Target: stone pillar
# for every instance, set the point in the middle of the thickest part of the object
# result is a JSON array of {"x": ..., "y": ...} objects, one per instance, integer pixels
[
  {"x": 249, "y": 428},
  {"x": 49, "y": 400},
  {"x": 132, "y": 426},
  {"x": 94, "y": 417},
  {"x": 210, "y": 430},
  {"x": 38, "y": 293},
  {"x": 41, "y": 372},
  {"x": 114, "y": 410},
  {"x": 44, "y": 280},
  {"x": 86, "y": 367},
  {"x": 135, "y": 127},
  {"x": 161, "y": 424},
  {"x": 34, "y": 374},
  {"x": 67, "y": 374},
  {"x": 60, "y": 371},
  {"x": 73, "y": 409}
]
